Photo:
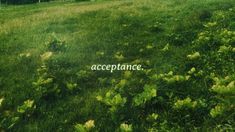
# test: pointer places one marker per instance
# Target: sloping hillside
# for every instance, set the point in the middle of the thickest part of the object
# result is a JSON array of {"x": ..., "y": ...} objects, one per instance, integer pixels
[{"x": 185, "y": 47}]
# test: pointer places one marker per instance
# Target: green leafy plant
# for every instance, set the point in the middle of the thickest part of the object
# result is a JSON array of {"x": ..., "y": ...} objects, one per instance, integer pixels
[
  {"x": 28, "y": 105},
  {"x": 126, "y": 127},
  {"x": 149, "y": 92},
  {"x": 185, "y": 103},
  {"x": 86, "y": 127},
  {"x": 217, "y": 110},
  {"x": 113, "y": 100},
  {"x": 56, "y": 44}
]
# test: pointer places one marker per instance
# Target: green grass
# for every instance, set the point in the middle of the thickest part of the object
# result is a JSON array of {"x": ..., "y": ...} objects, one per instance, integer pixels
[{"x": 88, "y": 27}]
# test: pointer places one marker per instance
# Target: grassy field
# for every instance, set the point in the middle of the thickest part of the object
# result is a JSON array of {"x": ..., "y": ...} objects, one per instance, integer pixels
[{"x": 186, "y": 47}]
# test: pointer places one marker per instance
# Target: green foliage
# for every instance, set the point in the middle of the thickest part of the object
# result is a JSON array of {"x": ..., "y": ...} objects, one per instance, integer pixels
[
  {"x": 187, "y": 81},
  {"x": 149, "y": 92},
  {"x": 125, "y": 127},
  {"x": 28, "y": 105},
  {"x": 224, "y": 86},
  {"x": 80, "y": 128},
  {"x": 113, "y": 100},
  {"x": 71, "y": 86},
  {"x": 1, "y": 100},
  {"x": 194, "y": 56},
  {"x": 45, "y": 83},
  {"x": 166, "y": 47},
  {"x": 185, "y": 103},
  {"x": 170, "y": 78},
  {"x": 152, "y": 117},
  {"x": 56, "y": 44},
  {"x": 10, "y": 119},
  {"x": 88, "y": 126},
  {"x": 217, "y": 110}
]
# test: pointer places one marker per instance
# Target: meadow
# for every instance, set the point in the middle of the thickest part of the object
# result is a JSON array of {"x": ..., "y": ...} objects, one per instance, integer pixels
[{"x": 186, "y": 48}]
